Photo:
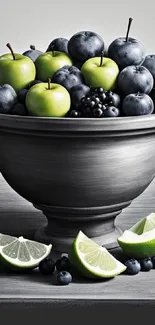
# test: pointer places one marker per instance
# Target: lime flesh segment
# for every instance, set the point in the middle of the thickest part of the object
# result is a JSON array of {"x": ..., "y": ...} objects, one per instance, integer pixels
[
  {"x": 139, "y": 240},
  {"x": 21, "y": 252},
  {"x": 92, "y": 260}
]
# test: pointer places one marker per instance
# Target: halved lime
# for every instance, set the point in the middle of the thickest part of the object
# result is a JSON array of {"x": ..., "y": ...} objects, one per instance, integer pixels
[
  {"x": 92, "y": 260},
  {"x": 139, "y": 240},
  {"x": 21, "y": 252}
]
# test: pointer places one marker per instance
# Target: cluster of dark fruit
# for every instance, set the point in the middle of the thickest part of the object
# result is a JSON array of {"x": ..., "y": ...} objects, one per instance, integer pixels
[
  {"x": 135, "y": 266},
  {"x": 61, "y": 266},
  {"x": 97, "y": 103}
]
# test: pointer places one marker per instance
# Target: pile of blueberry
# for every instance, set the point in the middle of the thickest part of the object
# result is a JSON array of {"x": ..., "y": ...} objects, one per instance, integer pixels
[
  {"x": 135, "y": 266},
  {"x": 97, "y": 103},
  {"x": 61, "y": 266}
]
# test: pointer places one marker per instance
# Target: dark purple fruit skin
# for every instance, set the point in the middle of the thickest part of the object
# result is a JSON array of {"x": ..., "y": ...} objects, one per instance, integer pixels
[
  {"x": 133, "y": 267},
  {"x": 74, "y": 113},
  {"x": 137, "y": 104},
  {"x": 149, "y": 63},
  {"x": 77, "y": 93},
  {"x": 63, "y": 264},
  {"x": 33, "y": 54},
  {"x": 85, "y": 45},
  {"x": 153, "y": 262},
  {"x": 134, "y": 79},
  {"x": 64, "y": 278},
  {"x": 146, "y": 264},
  {"x": 126, "y": 53},
  {"x": 111, "y": 111},
  {"x": 68, "y": 76},
  {"x": 47, "y": 266},
  {"x": 114, "y": 98},
  {"x": 8, "y": 98},
  {"x": 59, "y": 44},
  {"x": 19, "y": 109},
  {"x": 34, "y": 82},
  {"x": 152, "y": 94},
  {"x": 22, "y": 95}
]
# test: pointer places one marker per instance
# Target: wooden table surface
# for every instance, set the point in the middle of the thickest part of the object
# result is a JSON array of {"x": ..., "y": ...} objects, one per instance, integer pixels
[{"x": 34, "y": 298}]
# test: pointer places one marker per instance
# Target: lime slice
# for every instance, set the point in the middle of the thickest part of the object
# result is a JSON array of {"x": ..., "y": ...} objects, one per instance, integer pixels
[
  {"x": 139, "y": 240},
  {"x": 21, "y": 252},
  {"x": 92, "y": 260}
]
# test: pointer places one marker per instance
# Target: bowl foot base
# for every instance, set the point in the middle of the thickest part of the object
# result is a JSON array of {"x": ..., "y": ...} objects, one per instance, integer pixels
[
  {"x": 64, "y": 224},
  {"x": 62, "y": 244}
]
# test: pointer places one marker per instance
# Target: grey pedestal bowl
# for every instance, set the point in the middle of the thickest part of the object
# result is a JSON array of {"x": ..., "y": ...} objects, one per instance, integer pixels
[{"x": 80, "y": 173}]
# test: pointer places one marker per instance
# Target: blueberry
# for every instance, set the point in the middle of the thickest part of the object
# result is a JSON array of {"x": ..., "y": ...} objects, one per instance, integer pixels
[
  {"x": 133, "y": 267},
  {"x": 153, "y": 261},
  {"x": 97, "y": 100},
  {"x": 100, "y": 90},
  {"x": 63, "y": 264},
  {"x": 74, "y": 113},
  {"x": 47, "y": 266},
  {"x": 104, "y": 107},
  {"x": 99, "y": 106},
  {"x": 111, "y": 111},
  {"x": 86, "y": 112},
  {"x": 92, "y": 104},
  {"x": 64, "y": 278},
  {"x": 103, "y": 97},
  {"x": 97, "y": 112},
  {"x": 146, "y": 264}
]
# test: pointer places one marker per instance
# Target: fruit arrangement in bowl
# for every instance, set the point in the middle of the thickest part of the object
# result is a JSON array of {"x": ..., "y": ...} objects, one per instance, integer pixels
[
  {"x": 71, "y": 139},
  {"x": 79, "y": 78}
]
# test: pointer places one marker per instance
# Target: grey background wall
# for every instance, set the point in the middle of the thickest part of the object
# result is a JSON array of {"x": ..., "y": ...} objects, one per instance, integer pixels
[
  {"x": 24, "y": 22},
  {"x": 37, "y": 22}
]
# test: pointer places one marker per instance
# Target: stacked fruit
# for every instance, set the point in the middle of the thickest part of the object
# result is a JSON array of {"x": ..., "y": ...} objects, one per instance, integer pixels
[{"x": 79, "y": 78}]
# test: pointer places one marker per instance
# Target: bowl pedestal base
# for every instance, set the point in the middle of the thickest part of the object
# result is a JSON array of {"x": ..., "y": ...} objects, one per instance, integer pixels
[{"x": 63, "y": 227}]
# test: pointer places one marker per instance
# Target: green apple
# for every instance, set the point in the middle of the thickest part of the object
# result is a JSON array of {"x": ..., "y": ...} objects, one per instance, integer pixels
[
  {"x": 100, "y": 72},
  {"x": 16, "y": 70},
  {"x": 48, "y": 99},
  {"x": 48, "y": 63}
]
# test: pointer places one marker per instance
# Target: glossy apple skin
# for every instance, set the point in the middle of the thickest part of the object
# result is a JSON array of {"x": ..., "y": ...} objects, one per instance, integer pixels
[
  {"x": 53, "y": 102},
  {"x": 84, "y": 45},
  {"x": 68, "y": 77},
  {"x": 100, "y": 76},
  {"x": 133, "y": 79},
  {"x": 137, "y": 104},
  {"x": 127, "y": 53},
  {"x": 18, "y": 73},
  {"x": 60, "y": 44},
  {"x": 149, "y": 63},
  {"x": 48, "y": 63}
]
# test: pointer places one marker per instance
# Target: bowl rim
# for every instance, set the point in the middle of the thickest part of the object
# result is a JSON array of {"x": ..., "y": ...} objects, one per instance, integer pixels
[{"x": 68, "y": 124}]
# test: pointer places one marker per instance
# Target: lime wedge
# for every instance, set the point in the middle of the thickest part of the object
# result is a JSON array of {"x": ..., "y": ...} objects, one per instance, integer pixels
[
  {"x": 21, "y": 252},
  {"x": 92, "y": 260},
  {"x": 139, "y": 240}
]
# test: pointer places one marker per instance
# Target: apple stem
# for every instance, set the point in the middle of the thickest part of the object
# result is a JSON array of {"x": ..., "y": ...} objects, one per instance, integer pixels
[
  {"x": 32, "y": 47},
  {"x": 49, "y": 83},
  {"x": 10, "y": 48},
  {"x": 101, "y": 59},
  {"x": 128, "y": 29}
]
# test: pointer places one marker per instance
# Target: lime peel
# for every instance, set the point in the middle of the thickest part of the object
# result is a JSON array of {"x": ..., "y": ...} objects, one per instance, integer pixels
[
  {"x": 139, "y": 240},
  {"x": 92, "y": 260}
]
